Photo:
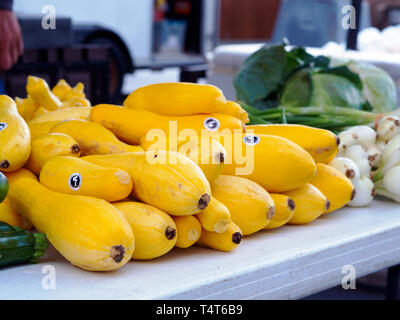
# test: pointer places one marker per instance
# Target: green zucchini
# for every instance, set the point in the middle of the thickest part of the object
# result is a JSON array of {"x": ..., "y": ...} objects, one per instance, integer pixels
[
  {"x": 3, "y": 187},
  {"x": 20, "y": 246}
]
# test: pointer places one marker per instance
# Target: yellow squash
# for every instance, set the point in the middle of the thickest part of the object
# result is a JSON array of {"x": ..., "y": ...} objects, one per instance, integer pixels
[
  {"x": 48, "y": 146},
  {"x": 189, "y": 231},
  {"x": 78, "y": 177},
  {"x": 10, "y": 216},
  {"x": 26, "y": 107},
  {"x": 226, "y": 241},
  {"x": 15, "y": 138},
  {"x": 251, "y": 207},
  {"x": 164, "y": 179},
  {"x": 310, "y": 204},
  {"x": 61, "y": 89},
  {"x": 39, "y": 111},
  {"x": 177, "y": 99},
  {"x": 207, "y": 153},
  {"x": 63, "y": 114},
  {"x": 40, "y": 92},
  {"x": 334, "y": 185},
  {"x": 44, "y": 123},
  {"x": 216, "y": 217},
  {"x": 275, "y": 163},
  {"x": 93, "y": 138},
  {"x": 320, "y": 143},
  {"x": 284, "y": 211},
  {"x": 130, "y": 125},
  {"x": 154, "y": 230},
  {"x": 183, "y": 99},
  {"x": 89, "y": 232}
]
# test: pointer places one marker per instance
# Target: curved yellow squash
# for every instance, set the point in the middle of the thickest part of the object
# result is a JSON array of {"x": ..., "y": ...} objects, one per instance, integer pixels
[
  {"x": 89, "y": 232},
  {"x": 226, "y": 241},
  {"x": 189, "y": 231},
  {"x": 164, "y": 179},
  {"x": 216, "y": 217},
  {"x": 61, "y": 89},
  {"x": 207, "y": 153},
  {"x": 334, "y": 185},
  {"x": 251, "y": 207},
  {"x": 15, "y": 138},
  {"x": 93, "y": 138},
  {"x": 130, "y": 125},
  {"x": 275, "y": 163},
  {"x": 155, "y": 231},
  {"x": 13, "y": 218},
  {"x": 48, "y": 146},
  {"x": 284, "y": 211},
  {"x": 75, "y": 176},
  {"x": 39, "y": 90},
  {"x": 310, "y": 204},
  {"x": 321, "y": 144},
  {"x": 63, "y": 114},
  {"x": 26, "y": 107}
]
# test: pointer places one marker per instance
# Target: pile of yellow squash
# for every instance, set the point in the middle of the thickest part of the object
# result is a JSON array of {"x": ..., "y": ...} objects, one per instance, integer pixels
[{"x": 173, "y": 167}]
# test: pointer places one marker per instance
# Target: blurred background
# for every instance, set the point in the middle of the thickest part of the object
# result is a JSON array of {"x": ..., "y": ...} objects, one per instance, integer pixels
[{"x": 169, "y": 40}]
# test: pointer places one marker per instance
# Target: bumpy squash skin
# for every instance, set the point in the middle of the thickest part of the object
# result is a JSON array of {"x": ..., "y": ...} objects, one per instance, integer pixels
[
  {"x": 177, "y": 99},
  {"x": 216, "y": 217},
  {"x": 321, "y": 144},
  {"x": 189, "y": 231},
  {"x": 13, "y": 218},
  {"x": 130, "y": 125},
  {"x": 310, "y": 204},
  {"x": 154, "y": 230},
  {"x": 15, "y": 138},
  {"x": 284, "y": 211},
  {"x": 251, "y": 207},
  {"x": 275, "y": 163},
  {"x": 178, "y": 187},
  {"x": 334, "y": 185},
  {"x": 226, "y": 241},
  {"x": 49, "y": 146},
  {"x": 105, "y": 183},
  {"x": 89, "y": 232},
  {"x": 93, "y": 138}
]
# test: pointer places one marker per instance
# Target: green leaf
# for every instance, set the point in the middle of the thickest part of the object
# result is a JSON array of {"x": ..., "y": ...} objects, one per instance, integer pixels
[
  {"x": 298, "y": 89},
  {"x": 332, "y": 90},
  {"x": 261, "y": 74},
  {"x": 345, "y": 72}
]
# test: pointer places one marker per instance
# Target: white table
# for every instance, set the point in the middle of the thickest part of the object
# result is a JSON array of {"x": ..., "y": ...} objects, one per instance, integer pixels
[{"x": 287, "y": 263}]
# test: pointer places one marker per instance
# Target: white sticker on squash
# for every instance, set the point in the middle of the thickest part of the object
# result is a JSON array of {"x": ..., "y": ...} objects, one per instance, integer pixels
[
  {"x": 251, "y": 140},
  {"x": 3, "y": 125},
  {"x": 75, "y": 181},
  {"x": 211, "y": 124}
]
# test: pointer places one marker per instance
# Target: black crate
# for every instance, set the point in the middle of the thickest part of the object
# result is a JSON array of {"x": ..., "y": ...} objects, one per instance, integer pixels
[{"x": 88, "y": 64}]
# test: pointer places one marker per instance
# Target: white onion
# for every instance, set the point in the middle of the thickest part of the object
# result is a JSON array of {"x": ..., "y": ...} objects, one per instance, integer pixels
[
  {"x": 346, "y": 166},
  {"x": 365, "y": 193}
]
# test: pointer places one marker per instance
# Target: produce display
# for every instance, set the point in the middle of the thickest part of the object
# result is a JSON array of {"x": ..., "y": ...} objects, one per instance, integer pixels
[
  {"x": 278, "y": 84},
  {"x": 176, "y": 166}
]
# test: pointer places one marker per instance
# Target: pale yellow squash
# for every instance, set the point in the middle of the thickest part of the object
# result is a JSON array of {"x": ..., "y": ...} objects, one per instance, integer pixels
[
  {"x": 78, "y": 177},
  {"x": 284, "y": 211},
  {"x": 166, "y": 180},
  {"x": 93, "y": 138},
  {"x": 216, "y": 217},
  {"x": 250, "y": 206},
  {"x": 48, "y": 146},
  {"x": 13, "y": 218},
  {"x": 189, "y": 231},
  {"x": 15, "y": 138},
  {"x": 89, "y": 232},
  {"x": 155, "y": 231},
  {"x": 226, "y": 241}
]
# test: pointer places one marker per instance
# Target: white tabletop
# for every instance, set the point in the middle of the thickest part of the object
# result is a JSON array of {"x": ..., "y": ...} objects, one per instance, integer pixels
[{"x": 287, "y": 263}]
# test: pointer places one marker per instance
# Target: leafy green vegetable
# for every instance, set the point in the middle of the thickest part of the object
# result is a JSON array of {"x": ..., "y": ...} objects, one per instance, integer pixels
[
  {"x": 378, "y": 87},
  {"x": 298, "y": 89},
  {"x": 332, "y": 90},
  {"x": 261, "y": 74}
]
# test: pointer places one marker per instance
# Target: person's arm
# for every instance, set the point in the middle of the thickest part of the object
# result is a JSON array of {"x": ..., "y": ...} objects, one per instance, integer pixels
[{"x": 11, "y": 45}]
